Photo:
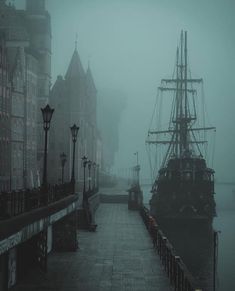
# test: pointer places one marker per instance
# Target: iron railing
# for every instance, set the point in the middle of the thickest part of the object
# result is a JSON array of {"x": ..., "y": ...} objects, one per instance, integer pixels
[
  {"x": 18, "y": 202},
  {"x": 178, "y": 274}
]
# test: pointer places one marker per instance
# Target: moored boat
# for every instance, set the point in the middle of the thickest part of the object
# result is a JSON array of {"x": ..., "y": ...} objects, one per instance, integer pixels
[{"x": 184, "y": 186}]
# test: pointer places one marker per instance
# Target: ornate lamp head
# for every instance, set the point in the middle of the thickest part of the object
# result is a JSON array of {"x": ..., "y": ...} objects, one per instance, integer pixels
[
  {"x": 74, "y": 131},
  {"x": 47, "y": 113}
]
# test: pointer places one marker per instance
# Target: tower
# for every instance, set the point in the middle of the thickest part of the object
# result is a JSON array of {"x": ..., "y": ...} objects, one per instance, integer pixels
[{"x": 35, "y": 6}]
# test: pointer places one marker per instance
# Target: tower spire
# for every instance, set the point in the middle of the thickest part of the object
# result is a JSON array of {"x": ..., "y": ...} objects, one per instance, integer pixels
[{"x": 76, "y": 42}]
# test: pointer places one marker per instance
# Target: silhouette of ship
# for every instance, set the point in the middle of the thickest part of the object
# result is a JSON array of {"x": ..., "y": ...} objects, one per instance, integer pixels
[{"x": 184, "y": 186}]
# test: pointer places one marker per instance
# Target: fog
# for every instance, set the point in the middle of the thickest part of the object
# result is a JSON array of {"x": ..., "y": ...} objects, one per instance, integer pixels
[{"x": 131, "y": 45}]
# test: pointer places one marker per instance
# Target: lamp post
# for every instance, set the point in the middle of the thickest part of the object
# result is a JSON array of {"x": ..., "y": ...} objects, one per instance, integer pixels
[
  {"x": 94, "y": 178},
  {"x": 63, "y": 159},
  {"x": 137, "y": 168},
  {"x": 47, "y": 113},
  {"x": 89, "y": 163},
  {"x": 137, "y": 157},
  {"x": 84, "y": 159},
  {"x": 98, "y": 174},
  {"x": 74, "y": 132}
]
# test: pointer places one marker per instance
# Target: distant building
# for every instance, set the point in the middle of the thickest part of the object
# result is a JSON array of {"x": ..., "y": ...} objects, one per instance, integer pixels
[
  {"x": 110, "y": 107},
  {"x": 74, "y": 100},
  {"x": 28, "y": 49}
]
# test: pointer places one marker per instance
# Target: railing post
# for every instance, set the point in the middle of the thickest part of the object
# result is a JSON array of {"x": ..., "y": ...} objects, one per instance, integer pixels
[
  {"x": 164, "y": 259},
  {"x": 171, "y": 268},
  {"x": 177, "y": 259}
]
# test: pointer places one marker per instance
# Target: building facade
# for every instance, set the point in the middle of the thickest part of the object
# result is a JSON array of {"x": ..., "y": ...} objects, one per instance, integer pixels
[
  {"x": 5, "y": 132},
  {"x": 28, "y": 50},
  {"x": 39, "y": 30},
  {"x": 74, "y": 100}
]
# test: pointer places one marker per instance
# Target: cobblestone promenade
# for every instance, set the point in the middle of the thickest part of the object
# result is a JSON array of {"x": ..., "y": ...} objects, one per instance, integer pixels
[{"x": 118, "y": 256}]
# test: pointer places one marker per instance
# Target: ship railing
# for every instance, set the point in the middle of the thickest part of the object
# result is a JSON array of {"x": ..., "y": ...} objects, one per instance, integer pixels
[
  {"x": 15, "y": 203},
  {"x": 176, "y": 270}
]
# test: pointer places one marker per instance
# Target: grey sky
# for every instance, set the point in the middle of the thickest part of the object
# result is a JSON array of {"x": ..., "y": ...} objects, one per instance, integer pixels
[{"x": 131, "y": 45}]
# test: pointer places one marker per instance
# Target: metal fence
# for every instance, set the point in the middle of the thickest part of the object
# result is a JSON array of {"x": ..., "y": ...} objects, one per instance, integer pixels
[
  {"x": 18, "y": 202},
  {"x": 176, "y": 270}
]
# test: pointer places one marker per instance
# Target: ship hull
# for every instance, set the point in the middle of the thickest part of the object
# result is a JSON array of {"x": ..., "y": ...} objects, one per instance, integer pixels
[
  {"x": 188, "y": 201},
  {"x": 184, "y": 190}
]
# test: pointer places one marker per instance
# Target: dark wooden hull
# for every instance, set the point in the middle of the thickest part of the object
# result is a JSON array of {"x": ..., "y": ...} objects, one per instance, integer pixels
[{"x": 184, "y": 189}]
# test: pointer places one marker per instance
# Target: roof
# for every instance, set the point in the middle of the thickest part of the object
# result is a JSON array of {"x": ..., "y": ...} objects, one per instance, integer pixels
[
  {"x": 75, "y": 69},
  {"x": 90, "y": 81}
]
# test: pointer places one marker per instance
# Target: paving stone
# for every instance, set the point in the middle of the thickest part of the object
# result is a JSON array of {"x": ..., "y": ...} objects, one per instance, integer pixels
[{"x": 119, "y": 256}]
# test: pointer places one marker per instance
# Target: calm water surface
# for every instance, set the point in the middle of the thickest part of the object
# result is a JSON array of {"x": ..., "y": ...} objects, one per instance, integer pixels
[{"x": 225, "y": 223}]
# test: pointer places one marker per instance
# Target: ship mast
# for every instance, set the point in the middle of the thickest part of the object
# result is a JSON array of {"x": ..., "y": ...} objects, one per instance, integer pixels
[
  {"x": 183, "y": 118},
  {"x": 182, "y": 133},
  {"x": 177, "y": 104}
]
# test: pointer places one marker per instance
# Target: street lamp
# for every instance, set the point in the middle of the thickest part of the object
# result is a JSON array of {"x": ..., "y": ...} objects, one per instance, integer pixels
[
  {"x": 137, "y": 168},
  {"x": 74, "y": 132},
  {"x": 84, "y": 159},
  {"x": 98, "y": 174},
  {"x": 89, "y": 163},
  {"x": 47, "y": 113},
  {"x": 63, "y": 159},
  {"x": 137, "y": 157},
  {"x": 94, "y": 178}
]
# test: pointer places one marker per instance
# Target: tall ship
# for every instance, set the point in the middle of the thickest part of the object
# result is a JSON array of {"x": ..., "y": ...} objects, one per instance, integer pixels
[
  {"x": 183, "y": 188},
  {"x": 183, "y": 184}
]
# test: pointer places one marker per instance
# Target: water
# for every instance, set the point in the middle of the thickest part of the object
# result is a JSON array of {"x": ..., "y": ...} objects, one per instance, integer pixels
[{"x": 224, "y": 222}]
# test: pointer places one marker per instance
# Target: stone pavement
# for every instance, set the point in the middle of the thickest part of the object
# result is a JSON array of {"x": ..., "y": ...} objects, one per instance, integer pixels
[
  {"x": 115, "y": 190},
  {"x": 117, "y": 257}
]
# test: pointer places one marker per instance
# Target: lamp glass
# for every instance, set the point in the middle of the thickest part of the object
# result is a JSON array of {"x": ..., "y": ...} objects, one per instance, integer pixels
[
  {"x": 47, "y": 113},
  {"x": 74, "y": 131}
]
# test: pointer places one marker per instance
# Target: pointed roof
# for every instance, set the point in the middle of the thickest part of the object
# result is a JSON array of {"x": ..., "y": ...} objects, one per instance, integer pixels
[
  {"x": 75, "y": 69},
  {"x": 89, "y": 80},
  {"x": 58, "y": 85},
  {"x": 58, "y": 90}
]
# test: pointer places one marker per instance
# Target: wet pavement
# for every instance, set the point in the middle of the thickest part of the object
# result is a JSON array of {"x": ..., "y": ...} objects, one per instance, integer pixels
[{"x": 118, "y": 256}]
